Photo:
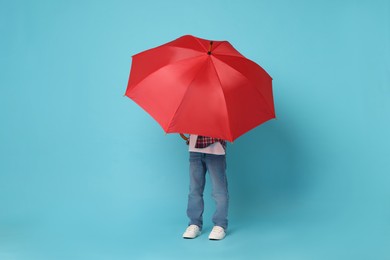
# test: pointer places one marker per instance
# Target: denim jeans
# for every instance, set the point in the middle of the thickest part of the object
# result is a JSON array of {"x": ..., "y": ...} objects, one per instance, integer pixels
[{"x": 215, "y": 165}]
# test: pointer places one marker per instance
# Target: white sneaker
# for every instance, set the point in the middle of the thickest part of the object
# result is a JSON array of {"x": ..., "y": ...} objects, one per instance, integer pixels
[
  {"x": 217, "y": 233},
  {"x": 192, "y": 231}
]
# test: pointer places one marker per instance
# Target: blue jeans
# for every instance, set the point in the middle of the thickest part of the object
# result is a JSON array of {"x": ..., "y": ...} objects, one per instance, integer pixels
[{"x": 215, "y": 165}]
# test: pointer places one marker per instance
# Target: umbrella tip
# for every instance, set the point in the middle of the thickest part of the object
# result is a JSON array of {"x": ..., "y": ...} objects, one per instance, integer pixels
[{"x": 211, "y": 45}]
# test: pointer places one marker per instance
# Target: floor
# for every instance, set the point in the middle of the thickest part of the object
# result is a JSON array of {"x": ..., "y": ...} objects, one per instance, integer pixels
[{"x": 277, "y": 234}]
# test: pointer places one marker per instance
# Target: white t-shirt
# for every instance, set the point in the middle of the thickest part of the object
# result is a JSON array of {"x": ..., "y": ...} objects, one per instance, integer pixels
[{"x": 215, "y": 148}]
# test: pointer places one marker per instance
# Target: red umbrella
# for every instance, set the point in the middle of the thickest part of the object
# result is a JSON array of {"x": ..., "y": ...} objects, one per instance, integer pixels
[{"x": 196, "y": 86}]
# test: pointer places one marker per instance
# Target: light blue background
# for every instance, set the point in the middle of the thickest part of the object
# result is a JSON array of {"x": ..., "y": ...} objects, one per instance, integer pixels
[{"x": 86, "y": 174}]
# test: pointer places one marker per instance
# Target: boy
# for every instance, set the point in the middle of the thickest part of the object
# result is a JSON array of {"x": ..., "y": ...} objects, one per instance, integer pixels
[{"x": 207, "y": 154}]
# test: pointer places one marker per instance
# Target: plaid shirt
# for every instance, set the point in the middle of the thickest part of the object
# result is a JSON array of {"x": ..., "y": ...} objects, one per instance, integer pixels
[{"x": 204, "y": 141}]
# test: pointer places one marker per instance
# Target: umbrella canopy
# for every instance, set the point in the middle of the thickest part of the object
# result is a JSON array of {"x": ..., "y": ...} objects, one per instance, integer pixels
[{"x": 197, "y": 86}]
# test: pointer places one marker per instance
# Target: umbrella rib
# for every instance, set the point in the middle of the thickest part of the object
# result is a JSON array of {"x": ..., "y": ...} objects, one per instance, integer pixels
[
  {"x": 186, "y": 48},
  {"x": 155, "y": 71},
  {"x": 227, "y": 110},
  {"x": 200, "y": 44},
  {"x": 240, "y": 57},
  {"x": 185, "y": 93},
  {"x": 261, "y": 94}
]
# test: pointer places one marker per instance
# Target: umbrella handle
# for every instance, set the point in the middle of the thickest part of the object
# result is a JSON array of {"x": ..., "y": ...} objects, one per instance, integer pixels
[{"x": 185, "y": 138}]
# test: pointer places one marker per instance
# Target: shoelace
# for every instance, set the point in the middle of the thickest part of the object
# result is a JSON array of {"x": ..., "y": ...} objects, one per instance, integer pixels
[
  {"x": 217, "y": 230},
  {"x": 191, "y": 228}
]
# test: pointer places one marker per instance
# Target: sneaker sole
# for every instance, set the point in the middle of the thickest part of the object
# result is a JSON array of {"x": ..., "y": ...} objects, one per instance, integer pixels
[{"x": 192, "y": 237}]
